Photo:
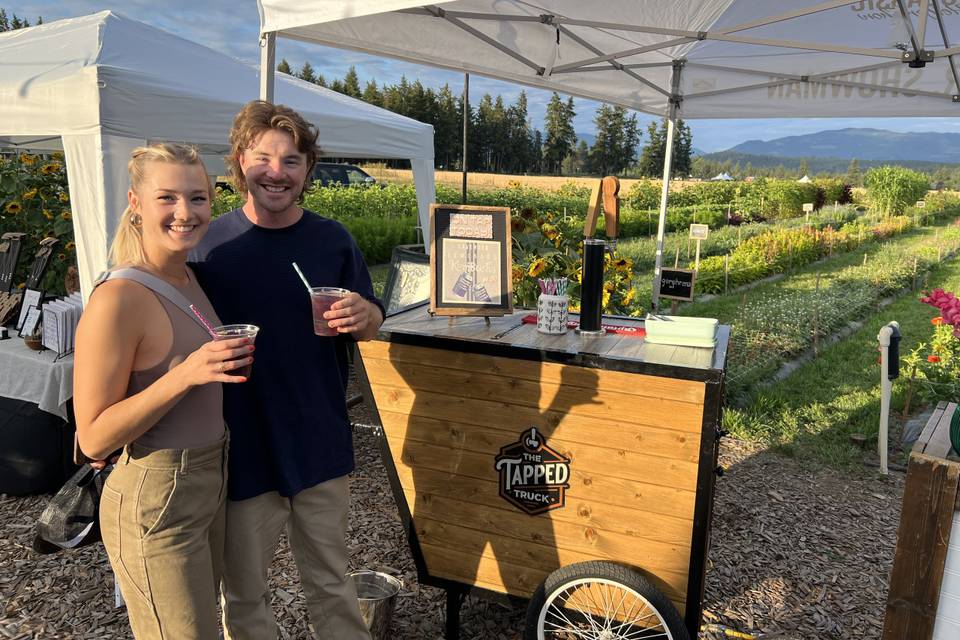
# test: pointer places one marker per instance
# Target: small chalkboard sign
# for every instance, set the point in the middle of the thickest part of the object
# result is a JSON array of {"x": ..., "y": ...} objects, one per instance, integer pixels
[
  {"x": 921, "y": 204},
  {"x": 677, "y": 284}
]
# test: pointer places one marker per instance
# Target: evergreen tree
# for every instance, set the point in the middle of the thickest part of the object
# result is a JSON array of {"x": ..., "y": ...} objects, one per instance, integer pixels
[
  {"x": 448, "y": 129},
  {"x": 804, "y": 167},
  {"x": 560, "y": 136},
  {"x": 854, "y": 177},
  {"x": 39, "y": 20},
  {"x": 284, "y": 67},
  {"x": 351, "y": 84},
  {"x": 617, "y": 139},
  {"x": 520, "y": 139},
  {"x": 654, "y": 152},
  {"x": 307, "y": 73},
  {"x": 15, "y": 23},
  {"x": 371, "y": 94},
  {"x": 4, "y": 21}
]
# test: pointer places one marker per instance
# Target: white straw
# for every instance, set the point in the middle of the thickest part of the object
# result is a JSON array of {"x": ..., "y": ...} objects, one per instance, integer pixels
[{"x": 302, "y": 277}]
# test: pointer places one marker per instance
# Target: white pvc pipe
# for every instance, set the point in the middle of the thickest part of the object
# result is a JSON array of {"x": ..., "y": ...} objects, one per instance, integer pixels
[{"x": 886, "y": 390}]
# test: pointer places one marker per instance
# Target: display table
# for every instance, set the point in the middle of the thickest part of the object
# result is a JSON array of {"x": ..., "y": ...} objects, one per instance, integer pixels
[
  {"x": 36, "y": 430},
  {"x": 513, "y": 454}
]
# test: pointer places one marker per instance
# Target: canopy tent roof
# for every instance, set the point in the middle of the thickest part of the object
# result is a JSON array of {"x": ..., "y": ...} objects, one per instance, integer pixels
[
  {"x": 736, "y": 58},
  {"x": 725, "y": 177},
  {"x": 108, "y": 73},
  {"x": 102, "y": 84}
]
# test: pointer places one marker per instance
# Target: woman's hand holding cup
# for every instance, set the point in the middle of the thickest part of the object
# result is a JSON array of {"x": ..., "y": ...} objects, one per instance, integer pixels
[{"x": 221, "y": 360}]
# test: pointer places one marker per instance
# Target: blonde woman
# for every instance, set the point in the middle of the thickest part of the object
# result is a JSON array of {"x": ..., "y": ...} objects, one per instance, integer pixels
[{"x": 146, "y": 378}]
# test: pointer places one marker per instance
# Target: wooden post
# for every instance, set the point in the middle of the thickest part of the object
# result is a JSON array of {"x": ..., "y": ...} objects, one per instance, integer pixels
[
  {"x": 674, "y": 305},
  {"x": 929, "y": 499},
  {"x": 696, "y": 264},
  {"x": 676, "y": 259},
  {"x": 726, "y": 272},
  {"x": 738, "y": 235},
  {"x": 816, "y": 320},
  {"x": 864, "y": 259},
  {"x": 914, "y": 272}
]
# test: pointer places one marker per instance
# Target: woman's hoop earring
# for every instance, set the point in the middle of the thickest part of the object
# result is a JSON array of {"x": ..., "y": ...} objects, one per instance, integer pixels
[{"x": 135, "y": 219}]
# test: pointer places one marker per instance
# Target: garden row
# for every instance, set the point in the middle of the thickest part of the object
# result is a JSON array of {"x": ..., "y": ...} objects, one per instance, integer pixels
[
  {"x": 812, "y": 413},
  {"x": 780, "y": 320}
]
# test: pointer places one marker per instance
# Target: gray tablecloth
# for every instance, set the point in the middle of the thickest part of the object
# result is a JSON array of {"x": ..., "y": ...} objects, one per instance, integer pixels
[{"x": 33, "y": 376}]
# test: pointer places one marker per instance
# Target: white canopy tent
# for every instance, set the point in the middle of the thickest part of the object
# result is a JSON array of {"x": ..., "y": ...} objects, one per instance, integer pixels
[
  {"x": 100, "y": 85},
  {"x": 684, "y": 58}
]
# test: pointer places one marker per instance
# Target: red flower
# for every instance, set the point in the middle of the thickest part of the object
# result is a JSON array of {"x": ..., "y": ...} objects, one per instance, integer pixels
[
  {"x": 933, "y": 358},
  {"x": 937, "y": 321}
]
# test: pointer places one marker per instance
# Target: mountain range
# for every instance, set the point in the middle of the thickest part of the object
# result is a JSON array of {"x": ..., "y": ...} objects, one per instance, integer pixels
[{"x": 863, "y": 144}]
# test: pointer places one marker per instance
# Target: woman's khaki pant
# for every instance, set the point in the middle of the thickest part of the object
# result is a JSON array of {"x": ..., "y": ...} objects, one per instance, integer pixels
[{"x": 162, "y": 519}]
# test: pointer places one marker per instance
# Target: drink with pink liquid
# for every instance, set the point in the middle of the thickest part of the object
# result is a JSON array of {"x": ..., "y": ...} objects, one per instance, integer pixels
[
  {"x": 322, "y": 298},
  {"x": 231, "y": 331}
]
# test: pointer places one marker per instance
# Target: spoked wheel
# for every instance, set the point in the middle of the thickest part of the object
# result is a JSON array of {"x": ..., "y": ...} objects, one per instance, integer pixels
[{"x": 601, "y": 601}]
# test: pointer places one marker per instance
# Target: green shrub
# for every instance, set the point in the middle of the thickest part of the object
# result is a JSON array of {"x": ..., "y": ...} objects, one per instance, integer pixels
[
  {"x": 377, "y": 237},
  {"x": 892, "y": 189}
]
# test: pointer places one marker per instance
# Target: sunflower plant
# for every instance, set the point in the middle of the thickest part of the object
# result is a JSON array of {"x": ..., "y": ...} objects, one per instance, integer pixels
[
  {"x": 34, "y": 199},
  {"x": 551, "y": 246}
]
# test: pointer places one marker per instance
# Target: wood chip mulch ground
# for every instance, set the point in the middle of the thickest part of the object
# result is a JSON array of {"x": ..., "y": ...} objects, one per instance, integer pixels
[{"x": 796, "y": 553}]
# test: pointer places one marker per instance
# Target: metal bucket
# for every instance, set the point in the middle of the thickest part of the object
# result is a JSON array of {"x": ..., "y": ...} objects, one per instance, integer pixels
[{"x": 377, "y": 593}]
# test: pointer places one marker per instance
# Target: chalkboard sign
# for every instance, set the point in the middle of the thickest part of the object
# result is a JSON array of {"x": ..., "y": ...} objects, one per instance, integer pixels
[
  {"x": 677, "y": 284},
  {"x": 470, "y": 260}
]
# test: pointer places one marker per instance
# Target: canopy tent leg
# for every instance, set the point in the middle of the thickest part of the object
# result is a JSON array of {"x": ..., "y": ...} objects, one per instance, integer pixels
[
  {"x": 268, "y": 64},
  {"x": 98, "y": 182},
  {"x": 426, "y": 193},
  {"x": 664, "y": 192},
  {"x": 466, "y": 118}
]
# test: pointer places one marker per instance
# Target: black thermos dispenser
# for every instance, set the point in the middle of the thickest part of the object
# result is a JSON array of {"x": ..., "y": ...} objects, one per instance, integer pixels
[{"x": 591, "y": 287}]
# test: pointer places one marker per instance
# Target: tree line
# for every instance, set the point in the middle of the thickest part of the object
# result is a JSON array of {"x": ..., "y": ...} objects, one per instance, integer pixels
[
  {"x": 9, "y": 23},
  {"x": 501, "y": 139}
]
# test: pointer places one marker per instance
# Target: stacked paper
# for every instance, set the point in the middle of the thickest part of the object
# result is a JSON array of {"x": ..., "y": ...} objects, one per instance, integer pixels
[{"x": 60, "y": 319}]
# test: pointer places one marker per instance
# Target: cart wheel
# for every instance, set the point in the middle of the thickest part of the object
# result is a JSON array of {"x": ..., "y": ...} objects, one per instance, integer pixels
[{"x": 601, "y": 601}]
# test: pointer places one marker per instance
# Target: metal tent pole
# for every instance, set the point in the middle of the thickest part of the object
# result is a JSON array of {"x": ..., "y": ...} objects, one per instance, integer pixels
[
  {"x": 667, "y": 166},
  {"x": 268, "y": 57},
  {"x": 466, "y": 118}
]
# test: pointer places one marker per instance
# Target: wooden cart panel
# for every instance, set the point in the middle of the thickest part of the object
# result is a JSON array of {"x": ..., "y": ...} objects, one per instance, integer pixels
[{"x": 634, "y": 447}]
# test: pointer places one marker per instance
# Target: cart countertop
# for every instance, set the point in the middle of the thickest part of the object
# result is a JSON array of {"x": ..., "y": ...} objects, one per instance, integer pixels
[{"x": 509, "y": 336}]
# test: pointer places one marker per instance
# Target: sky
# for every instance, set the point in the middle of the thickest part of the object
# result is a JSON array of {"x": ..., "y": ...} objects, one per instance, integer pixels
[{"x": 231, "y": 26}]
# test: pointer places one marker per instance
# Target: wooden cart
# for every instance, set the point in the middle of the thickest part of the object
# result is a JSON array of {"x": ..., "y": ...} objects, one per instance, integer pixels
[{"x": 534, "y": 466}]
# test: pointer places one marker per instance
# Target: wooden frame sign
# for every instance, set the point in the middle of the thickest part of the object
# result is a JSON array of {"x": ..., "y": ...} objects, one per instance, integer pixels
[
  {"x": 677, "y": 284},
  {"x": 470, "y": 261}
]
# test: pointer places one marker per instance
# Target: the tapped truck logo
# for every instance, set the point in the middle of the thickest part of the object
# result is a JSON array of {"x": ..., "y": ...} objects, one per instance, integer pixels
[{"x": 533, "y": 477}]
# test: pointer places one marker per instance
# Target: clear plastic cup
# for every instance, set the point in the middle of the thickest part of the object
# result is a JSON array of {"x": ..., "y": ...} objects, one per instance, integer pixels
[
  {"x": 322, "y": 298},
  {"x": 231, "y": 331}
]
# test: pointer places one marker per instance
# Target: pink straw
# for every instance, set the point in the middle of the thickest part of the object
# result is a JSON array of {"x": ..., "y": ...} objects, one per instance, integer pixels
[{"x": 196, "y": 312}]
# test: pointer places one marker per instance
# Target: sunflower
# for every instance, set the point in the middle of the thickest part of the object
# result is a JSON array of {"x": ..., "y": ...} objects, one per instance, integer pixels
[
  {"x": 550, "y": 231},
  {"x": 606, "y": 299},
  {"x": 537, "y": 266},
  {"x": 630, "y": 295},
  {"x": 66, "y": 215},
  {"x": 64, "y": 197},
  {"x": 48, "y": 214},
  {"x": 30, "y": 195},
  {"x": 49, "y": 168},
  {"x": 28, "y": 159},
  {"x": 623, "y": 264},
  {"x": 22, "y": 285},
  {"x": 70, "y": 246},
  {"x": 516, "y": 273},
  {"x": 13, "y": 208},
  {"x": 62, "y": 257}
]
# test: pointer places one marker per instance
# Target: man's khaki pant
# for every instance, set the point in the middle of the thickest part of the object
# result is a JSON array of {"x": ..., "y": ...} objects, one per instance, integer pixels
[
  {"x": 316, "y": 522},
  {"x": 162, "y": 520}
]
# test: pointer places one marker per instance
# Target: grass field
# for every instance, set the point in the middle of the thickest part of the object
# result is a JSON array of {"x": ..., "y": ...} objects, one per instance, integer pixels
[{"x": 497, "y": 180}]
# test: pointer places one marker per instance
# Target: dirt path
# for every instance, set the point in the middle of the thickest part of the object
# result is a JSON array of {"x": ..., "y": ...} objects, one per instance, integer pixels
[{"x": 802, "y": 551}]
